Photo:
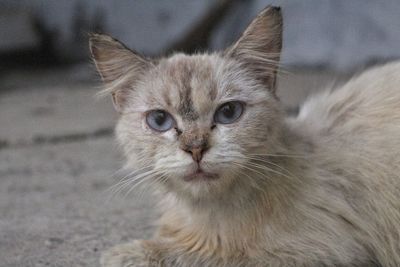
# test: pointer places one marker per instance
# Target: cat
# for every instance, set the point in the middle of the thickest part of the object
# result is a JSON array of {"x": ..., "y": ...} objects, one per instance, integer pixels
[{"x": 242, "y": 183}]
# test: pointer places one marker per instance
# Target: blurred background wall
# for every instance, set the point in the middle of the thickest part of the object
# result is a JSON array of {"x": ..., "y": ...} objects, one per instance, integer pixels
[{"x": 335, "y": 34}]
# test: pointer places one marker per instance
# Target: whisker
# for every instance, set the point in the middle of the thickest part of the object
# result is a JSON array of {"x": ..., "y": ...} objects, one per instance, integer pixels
[
  {"x": 126, "y": 177},
  {"x": 157, "y": 179},
  {"x": 247, "y": 165},
  {"x": 251, "y": 179},
  {"x": 281, "y": 155},
  {"x": 262, "y": 167},
  {"x": 132, "y": 180},
  {"x": 274, "y": 164},
  {"x": 145, "y": 178}
]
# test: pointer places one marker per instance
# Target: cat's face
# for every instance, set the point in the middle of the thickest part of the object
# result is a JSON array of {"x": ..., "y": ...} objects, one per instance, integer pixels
[
  {"x": 192, "y": 122},
  {"x": 195, "y": 120}
]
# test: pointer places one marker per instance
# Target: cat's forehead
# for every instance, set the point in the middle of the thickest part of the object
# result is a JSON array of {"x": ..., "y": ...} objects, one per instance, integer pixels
[
  {"x": 181, "y": 66},
  {"x": 188, "y": 84},
  {"x": 193, "y": 85}
]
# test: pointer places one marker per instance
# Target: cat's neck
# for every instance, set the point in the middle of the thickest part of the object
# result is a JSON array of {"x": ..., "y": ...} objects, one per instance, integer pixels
[{"x": 273, "y": 191}]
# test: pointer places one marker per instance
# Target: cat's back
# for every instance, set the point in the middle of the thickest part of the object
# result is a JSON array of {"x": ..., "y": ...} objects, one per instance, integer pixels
[
  {"x": 354, "y": 130},
  {"x": 363, "y": 112},
  {"x": 354, "y": 136}
]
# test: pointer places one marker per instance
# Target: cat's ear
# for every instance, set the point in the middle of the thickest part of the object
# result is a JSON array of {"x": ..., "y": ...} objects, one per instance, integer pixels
[
  {"x": 119, "y": 67},
  {"x": 260, "y": 46}
]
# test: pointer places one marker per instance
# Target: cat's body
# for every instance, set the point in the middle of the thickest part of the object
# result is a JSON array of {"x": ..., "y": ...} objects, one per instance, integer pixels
[{"x": 320, "y": 189}]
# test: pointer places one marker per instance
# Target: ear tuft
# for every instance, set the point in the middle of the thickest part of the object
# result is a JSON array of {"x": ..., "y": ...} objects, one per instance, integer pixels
[
  {"x": 119, "y": 67},
  {"x": 260, "y": 46}
]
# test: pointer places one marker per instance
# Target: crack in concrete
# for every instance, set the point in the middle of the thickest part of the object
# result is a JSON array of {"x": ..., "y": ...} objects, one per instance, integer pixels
[{"x": 59, "y": 139}]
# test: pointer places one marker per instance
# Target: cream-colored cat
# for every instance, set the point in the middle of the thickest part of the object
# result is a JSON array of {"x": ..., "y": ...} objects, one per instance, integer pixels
[{"x": 243, "y": 185}]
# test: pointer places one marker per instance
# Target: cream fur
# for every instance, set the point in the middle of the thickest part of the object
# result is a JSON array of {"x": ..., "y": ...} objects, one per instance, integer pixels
[{"x": 321, "y": 189}]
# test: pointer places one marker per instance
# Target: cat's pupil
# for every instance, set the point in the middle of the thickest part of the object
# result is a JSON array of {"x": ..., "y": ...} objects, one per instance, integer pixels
[
  {"x": 159, "y": 117},
  {"x": 228, "y": 110}
]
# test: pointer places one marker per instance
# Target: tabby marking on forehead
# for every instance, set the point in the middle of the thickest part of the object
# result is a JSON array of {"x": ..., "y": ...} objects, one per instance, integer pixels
[
  {"x": 186, "y": 109},
  {"x": 193, "y": 78},
  {"x": 166, "y": 98}
]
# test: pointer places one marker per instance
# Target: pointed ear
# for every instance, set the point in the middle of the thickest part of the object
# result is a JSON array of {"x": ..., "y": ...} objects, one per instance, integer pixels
[
  {"x": 260, "y": 46},
  {"x": 119, "y": 67}
]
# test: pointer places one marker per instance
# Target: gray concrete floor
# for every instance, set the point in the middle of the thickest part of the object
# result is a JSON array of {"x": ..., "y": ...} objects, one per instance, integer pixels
[{"x": 58, "y": 159}]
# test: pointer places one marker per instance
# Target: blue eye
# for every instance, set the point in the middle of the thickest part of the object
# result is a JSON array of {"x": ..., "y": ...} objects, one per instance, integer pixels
[
  {"x": 160, "y": 120},
  {"x": 228, "y": 112}
]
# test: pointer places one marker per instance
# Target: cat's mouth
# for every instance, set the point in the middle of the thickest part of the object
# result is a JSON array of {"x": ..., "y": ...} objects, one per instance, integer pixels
[{"x": 200, "y": 175}]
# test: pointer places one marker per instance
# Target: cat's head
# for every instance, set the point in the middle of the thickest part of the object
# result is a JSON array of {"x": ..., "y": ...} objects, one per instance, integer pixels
[{"x": 193, "y": 122}]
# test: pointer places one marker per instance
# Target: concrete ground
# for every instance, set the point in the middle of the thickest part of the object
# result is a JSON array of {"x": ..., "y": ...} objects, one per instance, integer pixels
[{"x": 58, "y": 161}]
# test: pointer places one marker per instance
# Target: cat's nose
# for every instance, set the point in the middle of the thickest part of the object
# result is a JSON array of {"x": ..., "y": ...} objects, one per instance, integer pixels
[{"x": 196, "y": 150}]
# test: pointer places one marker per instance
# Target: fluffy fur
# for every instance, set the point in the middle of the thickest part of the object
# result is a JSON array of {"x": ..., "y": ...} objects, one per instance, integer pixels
[{"x": 321, "y": 189}]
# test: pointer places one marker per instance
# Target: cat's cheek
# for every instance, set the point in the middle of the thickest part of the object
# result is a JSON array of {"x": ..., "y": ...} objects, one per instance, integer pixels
[
  {"x": 224, "y": 136},
  {"x": 169, "y": 135}
]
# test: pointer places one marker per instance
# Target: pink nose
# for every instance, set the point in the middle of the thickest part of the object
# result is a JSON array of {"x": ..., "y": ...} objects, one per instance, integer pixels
[
  {"x": 194, "y": 142},
  {"x": 197, "y": 153},
  {"x": 196, "y": 150}
]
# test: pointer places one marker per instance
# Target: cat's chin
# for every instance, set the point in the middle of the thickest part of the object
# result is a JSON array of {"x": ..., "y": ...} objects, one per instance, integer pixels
[
  {"x": 199, "y": 172},
  {"x": 200, "y": 175}
]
